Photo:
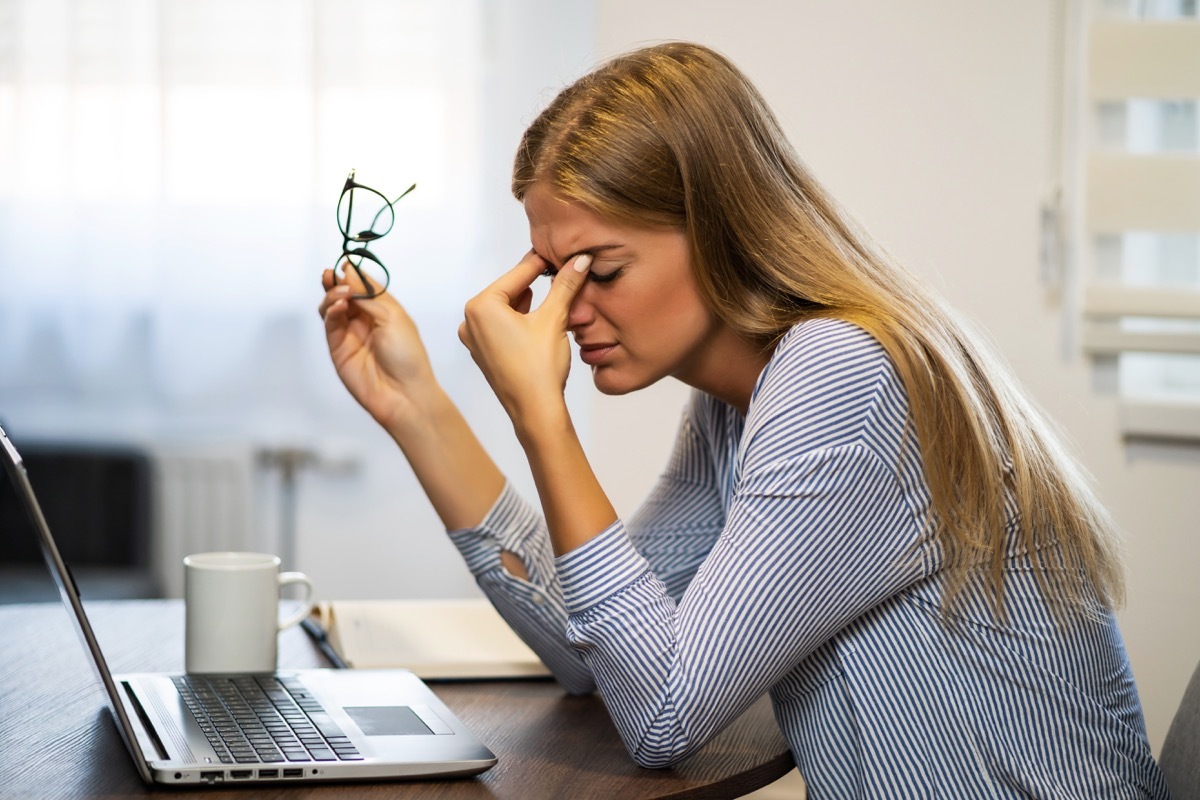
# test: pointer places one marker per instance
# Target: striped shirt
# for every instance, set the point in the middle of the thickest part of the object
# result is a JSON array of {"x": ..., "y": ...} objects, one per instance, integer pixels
[{"x": 786, "y": 552}]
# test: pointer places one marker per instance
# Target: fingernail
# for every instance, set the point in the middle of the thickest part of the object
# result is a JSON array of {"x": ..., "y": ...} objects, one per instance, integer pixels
[{"x": 583, "y": 262}]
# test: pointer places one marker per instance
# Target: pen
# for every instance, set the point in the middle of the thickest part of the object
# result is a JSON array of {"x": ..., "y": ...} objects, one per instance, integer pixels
[{"x": 313, "y": 629}]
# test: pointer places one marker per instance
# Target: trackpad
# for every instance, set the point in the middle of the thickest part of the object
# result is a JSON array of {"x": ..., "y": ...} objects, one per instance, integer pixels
[{"x": 387, "y": 720}]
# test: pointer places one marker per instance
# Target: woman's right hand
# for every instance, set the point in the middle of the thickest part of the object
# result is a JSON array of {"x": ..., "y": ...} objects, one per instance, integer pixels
[{"x": 376, "y": 350}]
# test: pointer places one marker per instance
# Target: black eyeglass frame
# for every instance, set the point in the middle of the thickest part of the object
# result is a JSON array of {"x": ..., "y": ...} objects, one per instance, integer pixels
[{"x": 354, "y": 255}]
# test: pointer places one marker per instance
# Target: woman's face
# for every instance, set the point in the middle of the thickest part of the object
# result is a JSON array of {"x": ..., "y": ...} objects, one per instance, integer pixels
[{"x": 639, "y": 317}]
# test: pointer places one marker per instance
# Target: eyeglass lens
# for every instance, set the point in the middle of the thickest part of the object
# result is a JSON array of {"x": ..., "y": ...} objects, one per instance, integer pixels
[
  {"x": 364, "y": 215},
  {"x": 362, "y": 272}
]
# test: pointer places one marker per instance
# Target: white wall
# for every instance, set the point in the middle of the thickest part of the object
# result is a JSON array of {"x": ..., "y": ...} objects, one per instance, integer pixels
[
  {"x": 372, "y": 533},
  {"x": 928, "y": 120}
]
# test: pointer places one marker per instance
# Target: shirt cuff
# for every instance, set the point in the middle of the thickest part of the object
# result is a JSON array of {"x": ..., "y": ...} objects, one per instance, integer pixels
[
  {"x": 506, "y": 525},
  {"x": 599, "y": 568}
]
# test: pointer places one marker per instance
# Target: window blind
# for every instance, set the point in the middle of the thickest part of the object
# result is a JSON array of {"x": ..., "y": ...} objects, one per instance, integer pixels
[{"x": 1139, "y": 209}]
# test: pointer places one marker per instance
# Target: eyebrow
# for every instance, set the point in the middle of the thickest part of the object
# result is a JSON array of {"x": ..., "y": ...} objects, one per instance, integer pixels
[{"x": 600, "y": 248}]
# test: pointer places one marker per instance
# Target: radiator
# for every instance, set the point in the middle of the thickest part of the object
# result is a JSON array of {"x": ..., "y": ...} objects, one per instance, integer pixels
[{"x": 204, "y": 498}]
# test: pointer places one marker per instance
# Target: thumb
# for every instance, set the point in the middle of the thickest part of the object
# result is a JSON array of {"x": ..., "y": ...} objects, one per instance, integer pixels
[{"x": 567, "y": 283}]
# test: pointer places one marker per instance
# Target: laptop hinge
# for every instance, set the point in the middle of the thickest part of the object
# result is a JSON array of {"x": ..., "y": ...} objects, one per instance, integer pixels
[{"x": 147, "y": 725}]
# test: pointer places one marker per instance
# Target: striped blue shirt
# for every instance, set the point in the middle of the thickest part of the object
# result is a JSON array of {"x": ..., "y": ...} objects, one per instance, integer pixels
[{"x": 786, "y": 552}]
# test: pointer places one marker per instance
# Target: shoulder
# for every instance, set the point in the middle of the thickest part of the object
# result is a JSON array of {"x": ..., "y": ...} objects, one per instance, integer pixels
[
  {"x": 829, "y": 360},
  {"x": 828, "y": 383}
]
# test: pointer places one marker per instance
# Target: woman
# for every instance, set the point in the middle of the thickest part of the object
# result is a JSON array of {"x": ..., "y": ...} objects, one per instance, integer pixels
[{"x": 862, "y": 515}]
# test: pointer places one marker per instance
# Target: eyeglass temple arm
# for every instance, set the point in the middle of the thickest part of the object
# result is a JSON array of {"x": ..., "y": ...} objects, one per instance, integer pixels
[
  {"x": 404, "y": 193},
  {"x": 375, "y": 221}
]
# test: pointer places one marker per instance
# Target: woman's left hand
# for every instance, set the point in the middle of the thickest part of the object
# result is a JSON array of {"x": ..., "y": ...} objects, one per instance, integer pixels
[{"x": 524, "y": 353}]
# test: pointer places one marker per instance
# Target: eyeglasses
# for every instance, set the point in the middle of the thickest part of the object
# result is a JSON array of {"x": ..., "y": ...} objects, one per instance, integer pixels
[{"x": 375, "y": 209}]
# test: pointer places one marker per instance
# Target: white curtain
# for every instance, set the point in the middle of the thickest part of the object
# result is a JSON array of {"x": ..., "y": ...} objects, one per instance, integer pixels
[{"x": 169, "y": 171}]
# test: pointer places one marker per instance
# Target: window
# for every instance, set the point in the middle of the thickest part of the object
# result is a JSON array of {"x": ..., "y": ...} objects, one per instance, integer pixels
[
  {"x": 168, "y": 177},
  {"x": 169, "y": 171},
  {"x": 1138, "y": 220}
]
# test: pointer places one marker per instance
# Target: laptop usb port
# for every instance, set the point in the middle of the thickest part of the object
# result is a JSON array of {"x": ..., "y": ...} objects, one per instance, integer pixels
[
  {"x": 268, "y": 773},
  {"x": 241, "y": 774},
  {"x": 293, "y": 773}
]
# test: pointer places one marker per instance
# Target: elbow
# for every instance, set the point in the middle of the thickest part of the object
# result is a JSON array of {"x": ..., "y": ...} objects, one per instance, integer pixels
[
  {"x": 658, "y": 759},
  {"x": 663, "y": 753},
  {"x": 651, "y": 761},
  {"x": 663, "y": 742}
]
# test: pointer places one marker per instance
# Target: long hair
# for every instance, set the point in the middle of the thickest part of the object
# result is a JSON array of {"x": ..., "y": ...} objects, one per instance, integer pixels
[{"x": 675, "y": 135}]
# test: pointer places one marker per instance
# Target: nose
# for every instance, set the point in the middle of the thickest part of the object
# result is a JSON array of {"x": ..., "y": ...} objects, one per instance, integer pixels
[{"x": 582, "y": 312}]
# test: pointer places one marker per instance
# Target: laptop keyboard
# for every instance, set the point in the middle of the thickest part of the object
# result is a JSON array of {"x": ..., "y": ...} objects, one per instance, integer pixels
[{"x": 263, "y": 719}]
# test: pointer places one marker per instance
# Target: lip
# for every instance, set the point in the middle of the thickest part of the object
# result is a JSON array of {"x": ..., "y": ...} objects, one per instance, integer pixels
[{"x": 593, "y": 354}]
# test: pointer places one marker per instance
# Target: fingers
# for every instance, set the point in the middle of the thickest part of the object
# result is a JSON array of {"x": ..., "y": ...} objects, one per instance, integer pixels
[
  {"x": 513, "y": 288},
  {"x": 357, "y": 276},
  {"x": 567, "y": 284},
  {"x": 518, "y": 280},
  {"x": 524, "y": 301},
  {"x": 339, "y": 299},
  {"x": 336, "y": 297}
]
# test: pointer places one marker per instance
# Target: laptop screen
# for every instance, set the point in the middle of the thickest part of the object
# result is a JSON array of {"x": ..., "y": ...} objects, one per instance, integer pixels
[{"x": 69, "y": 593}]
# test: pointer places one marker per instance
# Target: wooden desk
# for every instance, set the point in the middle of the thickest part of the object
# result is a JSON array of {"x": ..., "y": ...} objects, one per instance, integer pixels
[{"x": 59, "y": 740}]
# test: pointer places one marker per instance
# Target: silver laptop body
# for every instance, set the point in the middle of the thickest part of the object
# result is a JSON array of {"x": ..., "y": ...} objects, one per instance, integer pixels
[{"x": 395, "y": 726}]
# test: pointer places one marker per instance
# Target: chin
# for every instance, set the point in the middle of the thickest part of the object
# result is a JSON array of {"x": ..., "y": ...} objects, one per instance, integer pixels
[{"x": 614, "y": 382}]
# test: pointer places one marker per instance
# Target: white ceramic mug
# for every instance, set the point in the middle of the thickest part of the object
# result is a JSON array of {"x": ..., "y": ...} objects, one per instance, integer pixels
[{"x": 231, "y": 613}]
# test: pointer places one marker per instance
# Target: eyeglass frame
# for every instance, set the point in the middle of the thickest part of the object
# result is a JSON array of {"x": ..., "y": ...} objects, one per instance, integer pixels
[{"x": 368, "y": 235}]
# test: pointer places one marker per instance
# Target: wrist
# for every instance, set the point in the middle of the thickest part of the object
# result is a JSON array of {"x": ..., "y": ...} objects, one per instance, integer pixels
[
  {"x": 543, "y": 424},
  {"x": 458, "y": 476},
  {"x": 418, "y": 411}
]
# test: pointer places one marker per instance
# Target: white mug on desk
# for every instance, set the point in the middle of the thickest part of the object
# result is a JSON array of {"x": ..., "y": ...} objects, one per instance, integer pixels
[{"x": 231, "y": 603}]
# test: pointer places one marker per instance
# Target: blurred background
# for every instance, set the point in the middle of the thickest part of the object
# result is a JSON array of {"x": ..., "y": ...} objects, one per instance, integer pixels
[
  {"x": 168, "y": 177},
  {"x": 169, "y": 173}
]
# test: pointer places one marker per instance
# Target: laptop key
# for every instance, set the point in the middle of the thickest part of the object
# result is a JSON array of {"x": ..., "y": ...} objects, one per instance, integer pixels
[
  {"x": 322, "y": 754},
  {"x": 260, "y": 722},
  {"x": 326, "y": 725}
]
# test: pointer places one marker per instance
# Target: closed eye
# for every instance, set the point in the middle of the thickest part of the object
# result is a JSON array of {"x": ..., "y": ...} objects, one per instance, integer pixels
[
  {"x": 606, "y": 278},
  {"x": 551, "y": 271}
]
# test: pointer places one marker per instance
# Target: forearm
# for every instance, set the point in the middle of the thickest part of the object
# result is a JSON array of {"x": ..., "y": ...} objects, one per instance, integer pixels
[
  {"x": 573, "y": 502},
  {"x": 459, "y": 477}
]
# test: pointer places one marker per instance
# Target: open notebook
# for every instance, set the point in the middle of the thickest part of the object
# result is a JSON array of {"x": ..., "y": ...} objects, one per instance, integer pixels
[{"x": 436, "y": 639}]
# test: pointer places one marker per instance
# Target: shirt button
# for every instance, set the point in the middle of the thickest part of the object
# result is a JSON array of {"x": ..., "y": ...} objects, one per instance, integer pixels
[{"x": 539, "y": 599}]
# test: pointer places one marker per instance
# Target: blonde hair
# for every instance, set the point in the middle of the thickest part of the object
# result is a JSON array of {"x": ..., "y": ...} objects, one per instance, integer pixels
[{"x": 675, "y": 135}]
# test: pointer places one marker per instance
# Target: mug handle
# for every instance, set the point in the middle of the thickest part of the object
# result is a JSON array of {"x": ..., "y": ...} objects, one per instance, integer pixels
[{"x": 287, "y": 578}]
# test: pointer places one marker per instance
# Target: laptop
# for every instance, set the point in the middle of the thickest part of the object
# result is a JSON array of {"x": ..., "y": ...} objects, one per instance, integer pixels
[{"x": 293, "y": 726}]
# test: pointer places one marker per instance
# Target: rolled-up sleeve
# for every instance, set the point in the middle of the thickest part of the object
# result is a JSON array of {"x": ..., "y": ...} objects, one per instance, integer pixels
[{"x": 533, "y": 608}]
